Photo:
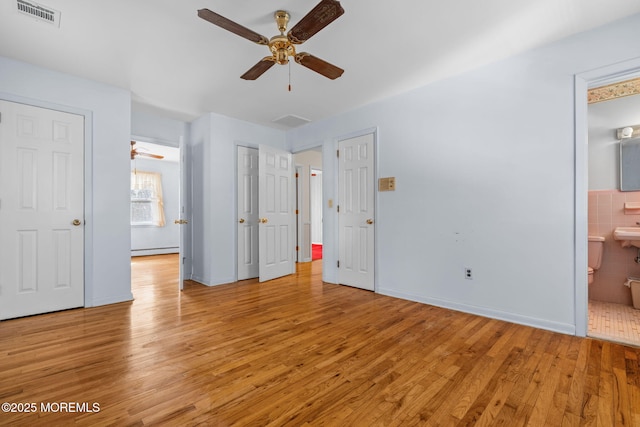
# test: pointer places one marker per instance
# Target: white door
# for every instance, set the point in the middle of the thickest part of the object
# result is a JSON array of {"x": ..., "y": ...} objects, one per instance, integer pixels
[
  {"x": 41, "y": 210},
  {"x": 247, "y": 213},
  {"x": 277, "y": 218},
  {"x": 356, "y": 215}
]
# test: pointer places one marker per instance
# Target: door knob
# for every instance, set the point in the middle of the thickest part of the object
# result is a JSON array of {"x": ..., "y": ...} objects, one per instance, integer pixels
[
  {"x": 76, "y": 222},
  {"x": 369, "y": 221},
  {"x": 241, "y": 221},
  {"x": 264, "y": 220}
]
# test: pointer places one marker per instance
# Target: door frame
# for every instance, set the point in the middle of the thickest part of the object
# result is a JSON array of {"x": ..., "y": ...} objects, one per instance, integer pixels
[
  {"x": 299, "y": 170},
  {"x": 304, "y": 251},
  {"x": 313, "y": 196},
  {"x": 88, "y": 180},
  {"x": 182, "y": 194},
  {"x": 582, "y": 82}
]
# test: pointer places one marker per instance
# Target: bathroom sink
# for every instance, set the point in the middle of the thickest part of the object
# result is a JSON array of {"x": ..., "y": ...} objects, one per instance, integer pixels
[{"x": 628, "y": 236}]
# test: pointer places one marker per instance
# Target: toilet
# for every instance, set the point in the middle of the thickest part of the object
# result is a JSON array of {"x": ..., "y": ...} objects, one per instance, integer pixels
[{"x": 595, "y": 248}]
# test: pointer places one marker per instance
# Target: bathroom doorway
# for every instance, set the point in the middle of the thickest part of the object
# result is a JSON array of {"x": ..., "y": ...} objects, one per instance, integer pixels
[{"x": 611, "y": 315}]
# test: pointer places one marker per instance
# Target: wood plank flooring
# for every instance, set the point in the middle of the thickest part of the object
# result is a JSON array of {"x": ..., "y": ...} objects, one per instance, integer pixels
[{"x": 295, "y": 351}]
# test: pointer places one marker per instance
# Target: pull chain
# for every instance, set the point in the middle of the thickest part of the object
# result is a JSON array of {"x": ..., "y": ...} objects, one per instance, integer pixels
[{"x": 289, "y": 76}]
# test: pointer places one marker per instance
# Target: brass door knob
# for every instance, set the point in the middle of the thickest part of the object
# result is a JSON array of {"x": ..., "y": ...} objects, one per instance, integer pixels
[
  {"x": 76, "y": 222},
  {"x": 264, "y": 220},
  {"x": 181, "y": 221},
  {"x": 241, "y": 221},
  {"x": 369, "y": 221}
]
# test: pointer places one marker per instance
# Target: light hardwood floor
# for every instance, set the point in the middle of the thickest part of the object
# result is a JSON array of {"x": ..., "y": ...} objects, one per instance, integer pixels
[{"x": 296, "y": 351}]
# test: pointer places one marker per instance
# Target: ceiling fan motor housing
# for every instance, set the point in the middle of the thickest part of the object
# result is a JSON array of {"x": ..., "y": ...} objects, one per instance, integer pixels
[
  {"x": 281, "y": 48},
  {"x": 282, "y": 19}
]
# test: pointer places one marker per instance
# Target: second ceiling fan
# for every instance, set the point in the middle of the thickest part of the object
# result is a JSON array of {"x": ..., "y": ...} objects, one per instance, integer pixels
[{"x": 283, "y": 46}]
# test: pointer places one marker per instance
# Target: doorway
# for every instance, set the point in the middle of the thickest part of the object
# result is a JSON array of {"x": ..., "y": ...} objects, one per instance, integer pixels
[
  {"x": 309, "y": 204},
  {"x": 157, "y": 207},
  {"x": 610, "y": 308},
  {"x": 315, "y": 201},
  {"x": 591, "y": 312}
]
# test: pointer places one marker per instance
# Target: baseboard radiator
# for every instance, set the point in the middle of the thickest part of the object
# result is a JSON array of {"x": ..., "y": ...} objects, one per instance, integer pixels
[{"x": 155, "y": 251}]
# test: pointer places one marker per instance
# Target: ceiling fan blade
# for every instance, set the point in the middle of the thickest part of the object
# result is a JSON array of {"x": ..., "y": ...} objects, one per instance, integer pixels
[
  {"x": 319, "y": 17},
  {"x": 234, "y": 27},
  {"x": 258, "y": 69},
  {"x": 318, "y": 65},
  {"x": 153, "y": 156}
]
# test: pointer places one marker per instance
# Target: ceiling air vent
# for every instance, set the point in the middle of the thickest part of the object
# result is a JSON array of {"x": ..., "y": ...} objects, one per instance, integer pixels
[
  {"x": 291, "y": 121},
  {"x": 39, "y": 12}
]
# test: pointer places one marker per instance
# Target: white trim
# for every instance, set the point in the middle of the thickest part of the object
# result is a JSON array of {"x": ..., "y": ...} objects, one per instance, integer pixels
[
  {"x": 565, "y": 328},
  {"x": 583, "y": 81},
  {"x": 157, "y": 141}
]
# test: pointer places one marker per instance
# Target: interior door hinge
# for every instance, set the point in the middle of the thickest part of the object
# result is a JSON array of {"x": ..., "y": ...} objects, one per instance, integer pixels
[
  {"x": 338, "y": 264},
  {"x": 338, "y": 206},
  {"x": 338, "y": 153},
  {"x": 297, "y": 212}
]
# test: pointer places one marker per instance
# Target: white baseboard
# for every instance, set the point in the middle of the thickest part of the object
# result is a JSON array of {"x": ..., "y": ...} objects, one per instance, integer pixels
[
  {"x": 111, "y": 300},
  {"x": 564, "y": 328}
]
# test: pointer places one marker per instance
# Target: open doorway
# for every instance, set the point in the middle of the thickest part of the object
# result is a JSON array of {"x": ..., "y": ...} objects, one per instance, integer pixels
[
  {"x": 589, "y": 152},
  {"x": 155, "y": 216},
  {"x": 315, "y": 198},
  {"x": 309, "y": 205},
  {"x": 610, "y": 262}
]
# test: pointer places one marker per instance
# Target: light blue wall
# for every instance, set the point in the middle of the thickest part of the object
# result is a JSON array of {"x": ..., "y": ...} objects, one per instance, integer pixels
[
  {"x": 485, "y": 176},
  {"x": 158, "y": 129},
  {"x": 107, "y": 250}
]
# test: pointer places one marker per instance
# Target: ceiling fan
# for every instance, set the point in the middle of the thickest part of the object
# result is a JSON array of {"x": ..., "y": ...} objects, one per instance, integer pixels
[
  {"x": 283, "y": 46},
  {"x": 135, "y": 152}
]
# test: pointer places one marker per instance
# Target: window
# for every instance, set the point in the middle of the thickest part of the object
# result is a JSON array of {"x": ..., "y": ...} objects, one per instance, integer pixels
[{"x": 146, "y": 199}]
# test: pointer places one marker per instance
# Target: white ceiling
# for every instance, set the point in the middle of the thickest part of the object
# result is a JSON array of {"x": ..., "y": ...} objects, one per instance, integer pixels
[{"x": 181, "y": 66}]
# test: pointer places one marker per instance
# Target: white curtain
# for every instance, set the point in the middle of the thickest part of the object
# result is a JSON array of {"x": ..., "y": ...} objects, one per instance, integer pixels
[{"x": 146, "y": 199}]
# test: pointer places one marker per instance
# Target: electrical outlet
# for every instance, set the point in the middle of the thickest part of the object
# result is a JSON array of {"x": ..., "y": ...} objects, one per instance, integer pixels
[{"x": 467, "y": 273}]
